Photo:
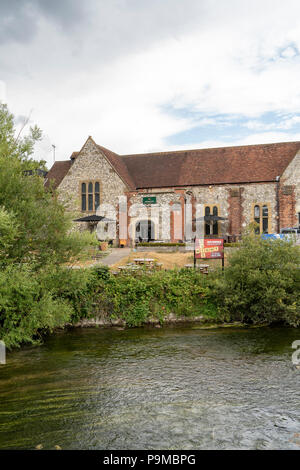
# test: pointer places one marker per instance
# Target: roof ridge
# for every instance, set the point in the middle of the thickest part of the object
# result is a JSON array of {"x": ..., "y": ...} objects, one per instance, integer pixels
[
  {"x": 119, "y": 166},
  {"x": 167, "y": 152},
  {"x": 108, "y": 150}
]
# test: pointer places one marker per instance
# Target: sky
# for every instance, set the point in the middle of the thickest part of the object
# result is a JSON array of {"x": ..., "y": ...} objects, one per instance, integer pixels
[{"x": 142, "y": 76}]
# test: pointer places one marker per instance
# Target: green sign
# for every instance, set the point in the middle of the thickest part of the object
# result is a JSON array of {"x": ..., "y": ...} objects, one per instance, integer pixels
[{"x": 149, "y": 200}]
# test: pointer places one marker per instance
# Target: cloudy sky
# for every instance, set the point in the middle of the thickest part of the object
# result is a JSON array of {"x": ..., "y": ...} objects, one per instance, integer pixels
[{"x": 141, "y": 75}]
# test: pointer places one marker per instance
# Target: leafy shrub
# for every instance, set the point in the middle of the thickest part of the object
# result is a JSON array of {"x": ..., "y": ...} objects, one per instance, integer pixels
[
  {"x": 26, "y": 308},
  {"x": 136, "y": 298},
  {"x": 72, "y": 285},
  {"x": 100, "y": 272},
  {"x": 261, "y": 283}
]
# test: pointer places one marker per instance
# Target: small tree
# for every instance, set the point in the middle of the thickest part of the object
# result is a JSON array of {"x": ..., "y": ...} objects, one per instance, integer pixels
[
  {"x": 43, "y": 226},
  {"x": 262, "y": 282}
]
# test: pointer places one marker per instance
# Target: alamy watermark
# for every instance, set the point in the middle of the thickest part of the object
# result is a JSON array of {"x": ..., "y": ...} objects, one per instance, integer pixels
[
  {"x": 134, "y": 221},
  {"x": 2, "y": 353},
  {"x": 296, "y": 354}
]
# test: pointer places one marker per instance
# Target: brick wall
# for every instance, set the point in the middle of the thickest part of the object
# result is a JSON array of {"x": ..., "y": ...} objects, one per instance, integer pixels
[
  {"x": 235, "y": 211},
  {"x": 287, "y": 206}
]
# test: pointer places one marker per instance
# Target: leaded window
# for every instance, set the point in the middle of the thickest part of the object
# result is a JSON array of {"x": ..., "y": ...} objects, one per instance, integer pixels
[
  {"x": 261, "y": 215},
  {"x": 90, "y": 196},
  {"x": 211, "y": 228}
]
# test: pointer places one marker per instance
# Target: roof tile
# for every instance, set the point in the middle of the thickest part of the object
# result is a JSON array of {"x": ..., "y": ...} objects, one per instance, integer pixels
[
  {"x": 57, "y": 173},
  {"x": 244, "y": 164}
]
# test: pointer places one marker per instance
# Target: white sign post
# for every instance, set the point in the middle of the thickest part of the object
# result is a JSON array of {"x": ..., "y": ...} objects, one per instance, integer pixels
[{"x": 2, "y": 353}]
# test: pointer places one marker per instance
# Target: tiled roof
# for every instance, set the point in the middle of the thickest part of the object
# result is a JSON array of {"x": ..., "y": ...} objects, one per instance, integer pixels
[
  {"x": 119, "y": 165},
  {"x": 57, "y": 173},
  {"x": 244, "y": 164}
]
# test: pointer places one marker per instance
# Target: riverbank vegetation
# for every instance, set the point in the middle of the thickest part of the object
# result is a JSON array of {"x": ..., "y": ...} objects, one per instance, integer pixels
[
  {"x": 260, "y": 286},
  {"x": 35, "y": 235},
  {"x": 39, "y": 292}
]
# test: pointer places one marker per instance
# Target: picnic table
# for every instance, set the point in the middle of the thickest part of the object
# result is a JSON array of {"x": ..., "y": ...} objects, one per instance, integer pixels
[
  {"x": 203, "y": 267},
  {"x": 128, "y": 268},
  {"x": 148, "y": 263},
  {"x": 144, "y": 261}
]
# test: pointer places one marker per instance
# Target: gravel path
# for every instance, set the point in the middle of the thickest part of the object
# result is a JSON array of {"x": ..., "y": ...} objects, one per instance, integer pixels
[{"x": 116, "y": 255}]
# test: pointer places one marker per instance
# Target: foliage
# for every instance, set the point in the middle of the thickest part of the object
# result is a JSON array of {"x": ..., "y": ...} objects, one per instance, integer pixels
[
  {"x": 100, "y": 272},
  {"x": 36, "y": 293},
  {"x": 71, "y": 285},
  {"x": 261, "y": 283},
  {"x": 44, "y": 229},
  {"x": 136, "y": 298},
  {"x": 12, "y": 144},
  {"x": 8, "y": 236},
  {"x": 27, "y": 308}
]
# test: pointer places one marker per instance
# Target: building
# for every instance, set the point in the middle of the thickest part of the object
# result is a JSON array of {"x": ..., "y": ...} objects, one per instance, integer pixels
[{"x": 243, "y": 184}]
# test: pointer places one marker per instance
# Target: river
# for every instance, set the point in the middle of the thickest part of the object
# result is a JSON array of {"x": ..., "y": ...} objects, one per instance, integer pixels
[{"x": 168, "y": 388}]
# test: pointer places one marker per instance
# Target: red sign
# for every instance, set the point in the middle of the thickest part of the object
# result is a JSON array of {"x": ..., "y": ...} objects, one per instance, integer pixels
[{"x": 209, "y": 248}]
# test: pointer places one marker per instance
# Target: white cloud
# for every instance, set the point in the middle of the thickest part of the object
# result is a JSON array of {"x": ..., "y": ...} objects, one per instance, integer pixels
[
  {"x": 114, "y": 75},
  {"x": 283, "y": 123},
  {"x": 255, "y": 138},
  {"x": 2, "y": 91}
]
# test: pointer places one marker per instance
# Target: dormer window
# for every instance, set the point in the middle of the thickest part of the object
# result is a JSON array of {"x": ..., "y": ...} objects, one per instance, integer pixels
[{"x": 90, "y": 196}]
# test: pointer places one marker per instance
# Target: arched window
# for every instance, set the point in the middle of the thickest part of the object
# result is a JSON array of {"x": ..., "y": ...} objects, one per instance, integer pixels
[
  {"x": 90, "y": 196},
  {"x": 207, "y": 225},
  {"x": 97, "y": 195},
  {"x": 211, "y": 228},
  {"x": 215, "y": 224}
]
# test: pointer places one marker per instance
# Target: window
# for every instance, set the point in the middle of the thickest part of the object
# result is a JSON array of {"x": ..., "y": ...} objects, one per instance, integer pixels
[
  {"x": 257, "y": 218},
  {"x": 83, "y": 197},
  {"x": 97, "y": 195},
  {"x": 90, "y": 196},
  {"x": 211, "y": 228},
  {"x": 261, "y": 216},
  {"x": 215, "y": 224},
  {"x": 207, "y": 226}
]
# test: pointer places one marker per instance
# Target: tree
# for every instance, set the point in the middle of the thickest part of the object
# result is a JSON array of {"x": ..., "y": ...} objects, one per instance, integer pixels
[
  {"x": 262, "y": 282},
  {"x": 43, "y": 226}
]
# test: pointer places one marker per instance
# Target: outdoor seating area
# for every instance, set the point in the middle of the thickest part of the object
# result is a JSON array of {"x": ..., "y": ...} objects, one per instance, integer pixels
[
  {"x": 139, "y": 264},
  {"x": 204, "y": 268}
]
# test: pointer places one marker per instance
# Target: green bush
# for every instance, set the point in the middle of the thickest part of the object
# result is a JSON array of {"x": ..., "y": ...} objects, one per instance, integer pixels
[
  {"x": 261, "y": 283},
  {"x": 27, "y": 308},
  {"x": 100, "y": 272},
  {"x": 136, "y": 298},
  {"x": 72, "y": 285}
]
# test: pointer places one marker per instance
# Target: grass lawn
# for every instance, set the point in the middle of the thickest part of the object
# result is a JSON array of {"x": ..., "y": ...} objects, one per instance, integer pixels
[{"x": 168, "y": 260}]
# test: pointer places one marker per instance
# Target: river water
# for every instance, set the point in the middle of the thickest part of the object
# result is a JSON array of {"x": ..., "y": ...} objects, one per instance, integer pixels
[{"x": 169, "y": 388}]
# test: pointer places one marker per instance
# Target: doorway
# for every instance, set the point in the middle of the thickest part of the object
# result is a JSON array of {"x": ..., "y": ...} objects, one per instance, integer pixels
[{"x": 144, "y": 231}]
